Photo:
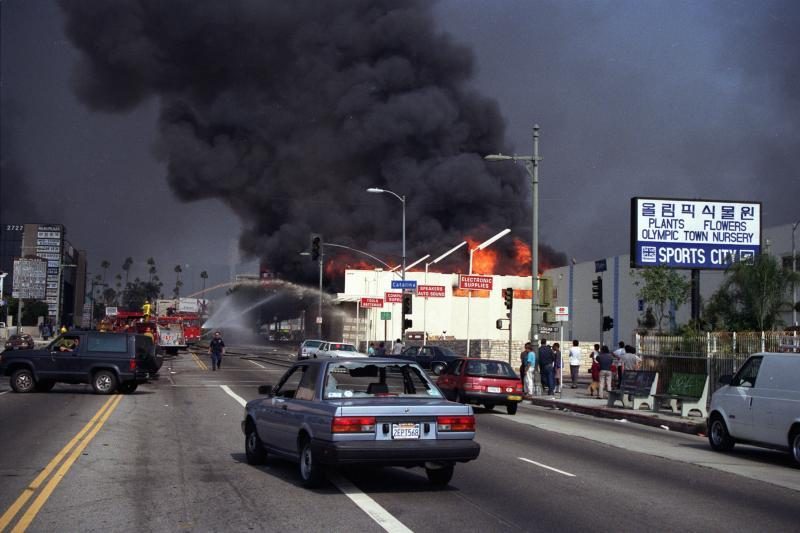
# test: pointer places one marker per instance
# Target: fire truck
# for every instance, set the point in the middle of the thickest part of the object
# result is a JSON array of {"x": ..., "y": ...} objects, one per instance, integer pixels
[
  {"x": 187, "y": 312},
  {"x": 167, "y": 334}
]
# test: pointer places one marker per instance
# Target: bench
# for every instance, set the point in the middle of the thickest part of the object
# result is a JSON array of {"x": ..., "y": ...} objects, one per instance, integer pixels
[
  {"x": 636, "y": 389},
  {"x": 686, "y": 393}
]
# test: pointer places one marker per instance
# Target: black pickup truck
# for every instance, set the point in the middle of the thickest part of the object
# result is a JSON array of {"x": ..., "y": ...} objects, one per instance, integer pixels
[{"x": 107, "y": 361}]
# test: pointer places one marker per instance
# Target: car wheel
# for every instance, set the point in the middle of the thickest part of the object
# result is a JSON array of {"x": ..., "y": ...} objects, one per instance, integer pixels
[
  {"x": 45, "y": 385},
  {"x": 718, "y": 436},
  {"x": 795, "y": 443},
  {"x": 104, "y": 382},
  {"x": 22, "y": 380},
  {"x": 511, "y": 408},
  {"x": 437, "y": 368},
  {"x": 311, "y": 473},
  {"x": 253, "y": 447},
  {"x": 128, "y": 387},
  {"x": 440, "y": 476},
  {"x": 489, "y": 406}
]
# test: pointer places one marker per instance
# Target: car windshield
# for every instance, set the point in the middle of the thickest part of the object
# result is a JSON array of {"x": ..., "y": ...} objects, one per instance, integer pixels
[
  {"x": 342, "y": 347},
  {"x": 448, "y": 352},
  {"x": 495, "y": 369},
  {"x": 354, "y": 379}
]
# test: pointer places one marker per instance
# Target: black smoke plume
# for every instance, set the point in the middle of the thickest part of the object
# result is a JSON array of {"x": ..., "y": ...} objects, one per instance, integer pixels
[{"x": 289, "y": 111}]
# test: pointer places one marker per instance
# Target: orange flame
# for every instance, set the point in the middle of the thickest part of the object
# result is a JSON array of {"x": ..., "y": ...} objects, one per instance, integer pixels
[{"x": 483, "y": 261}]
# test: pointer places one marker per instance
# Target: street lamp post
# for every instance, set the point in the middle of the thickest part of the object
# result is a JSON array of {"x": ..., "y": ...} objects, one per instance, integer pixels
[
  {"x": 425, "y": 305},
  {"x": 532, "y": 166},
  {"x": 402, "y": 199},
  {"x": 481, "y": 246},
  {"x": 794, "y": 272}
]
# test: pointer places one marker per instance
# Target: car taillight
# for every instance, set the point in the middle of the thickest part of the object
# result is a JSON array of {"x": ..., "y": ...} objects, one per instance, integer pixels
[
  {"x": 472, "y": 385},
  {"x": 455, "y": 423},
  {"x": 132, "y": 364},
  {"x": 353, "y": 424}
]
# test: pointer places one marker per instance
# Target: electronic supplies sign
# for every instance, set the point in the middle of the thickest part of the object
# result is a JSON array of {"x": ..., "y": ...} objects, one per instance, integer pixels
[{"x": 693, "y": 234}]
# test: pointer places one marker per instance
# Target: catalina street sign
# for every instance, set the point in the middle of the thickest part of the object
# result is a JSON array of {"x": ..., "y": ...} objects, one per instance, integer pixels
[
  {"x": 393, "y": 297},
  {"x": 405, "y": 284},
  {"x": 371, "y": 303},
  {"x": 430, "y": 291},
  {"x": 482, "y": 283}
]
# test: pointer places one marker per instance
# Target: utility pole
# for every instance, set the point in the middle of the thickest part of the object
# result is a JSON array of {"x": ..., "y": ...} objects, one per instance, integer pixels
[{"x": 533, "y": 164}]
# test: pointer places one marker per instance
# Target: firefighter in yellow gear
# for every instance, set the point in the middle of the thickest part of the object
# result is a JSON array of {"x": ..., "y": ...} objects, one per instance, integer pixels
[{"x": 146, "y": 310}]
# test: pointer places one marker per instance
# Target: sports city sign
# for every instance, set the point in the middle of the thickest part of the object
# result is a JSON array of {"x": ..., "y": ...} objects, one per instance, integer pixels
[{"x": 693, "y": 234}]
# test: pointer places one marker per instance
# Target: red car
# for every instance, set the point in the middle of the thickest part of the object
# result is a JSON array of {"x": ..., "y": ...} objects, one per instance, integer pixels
[
  {"x": 481, "y": 381},
  {"x": 20, "y": 342}
]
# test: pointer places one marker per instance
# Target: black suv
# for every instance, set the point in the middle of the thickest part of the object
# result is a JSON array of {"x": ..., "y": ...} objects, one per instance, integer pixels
[{"x": 108, "y": 361}]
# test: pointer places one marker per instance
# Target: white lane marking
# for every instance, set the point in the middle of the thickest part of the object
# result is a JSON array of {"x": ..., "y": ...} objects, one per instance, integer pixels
[
  {"x": 373, "y": 509},
  {"x": 545, "y": 466},
  {"x": 257, "y": 364},
  {"x": 233, "y": 395},
  {"x": 4, "y": 392}
]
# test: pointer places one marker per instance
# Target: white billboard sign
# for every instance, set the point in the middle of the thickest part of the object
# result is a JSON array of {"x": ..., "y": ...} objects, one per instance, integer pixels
[
  {"x": 693, "y": 234},
  {"x": 30, "y": 279}
]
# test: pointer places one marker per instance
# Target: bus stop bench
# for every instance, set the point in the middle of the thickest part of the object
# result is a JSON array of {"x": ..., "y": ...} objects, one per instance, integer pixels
[
  {"x": 636, "y": 389},
  {"x": 685, "y": 393}
]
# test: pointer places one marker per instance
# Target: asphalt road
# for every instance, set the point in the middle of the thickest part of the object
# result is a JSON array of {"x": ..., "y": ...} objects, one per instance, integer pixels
[{"x": 171, "y": 458}]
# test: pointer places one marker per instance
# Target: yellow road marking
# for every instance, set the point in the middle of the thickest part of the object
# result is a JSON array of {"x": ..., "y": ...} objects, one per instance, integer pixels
[
  {"x": 48, "y": 489},
  {"x": 12, "y": 511},
  {"x": 199, "y": 362}
]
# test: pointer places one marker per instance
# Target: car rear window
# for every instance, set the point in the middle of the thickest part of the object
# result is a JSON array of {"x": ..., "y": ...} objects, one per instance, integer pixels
[
  {"x": 108, "y": 342},
  {"x": 494, "y": 369},
  {"x": 312, "y": 344},
  {"x": 144, "y": 346},
  {"x": 342, "y": 347},
  {"x": 354, "y": 379}
]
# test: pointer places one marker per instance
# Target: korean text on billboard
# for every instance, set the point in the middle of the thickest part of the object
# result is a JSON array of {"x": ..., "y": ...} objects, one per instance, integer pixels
[{"x": 694, "y": 234}]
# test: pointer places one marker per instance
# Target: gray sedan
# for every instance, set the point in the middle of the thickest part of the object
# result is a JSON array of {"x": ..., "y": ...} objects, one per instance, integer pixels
[{"x": 329, "y": 412}]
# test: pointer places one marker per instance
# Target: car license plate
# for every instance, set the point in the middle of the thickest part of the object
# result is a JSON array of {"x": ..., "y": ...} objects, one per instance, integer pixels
[
  {"x": 405, "y": 431},
  {"x": 515, "y": 398},
  {"x": 492, "y": 389}
]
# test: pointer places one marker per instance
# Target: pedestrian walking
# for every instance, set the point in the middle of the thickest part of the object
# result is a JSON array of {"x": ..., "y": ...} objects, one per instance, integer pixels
[
  {"x": 546, "y": 361},
  {"x": 557, "y": 366},
  {"x": 523, "y": 362},
  {"x": 605, "y": 360},
  {"x": 380, "y": 351},
  {"x": 371, "y": 349},
  {"x": 217, "y": 349},
  {"x": 574, "y": 362},
  {"x": 630, "y": 361},
  {"x": 594, "y": 386},
  {"x": 397, "y": 349}
]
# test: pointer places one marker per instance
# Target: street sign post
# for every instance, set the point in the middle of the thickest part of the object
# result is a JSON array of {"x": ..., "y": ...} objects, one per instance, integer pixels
[
  {"x": 404, "y": 284},
  {"x": 471, "y": 282}
]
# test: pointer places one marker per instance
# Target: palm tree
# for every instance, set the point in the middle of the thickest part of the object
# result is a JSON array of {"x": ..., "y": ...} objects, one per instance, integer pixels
[
  {"x": 118, "y": 284},
  {"x": 152, "y": 272},
  {"x": 126, "y": 266},
  {"x": 104, "y": 264},
  {"x": 151, "y": 263},
  {"x": 204, "y": 277},
  {"x": 178, "y": 282}
]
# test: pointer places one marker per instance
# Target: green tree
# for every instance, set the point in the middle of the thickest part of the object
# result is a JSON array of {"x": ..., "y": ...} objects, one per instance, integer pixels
[
  {"x": 126, "y": 266},
  {"x": 138, "y": 291},
  {"x": 151, "y": 264},
  {"x": 31, "y": 311},
  {"x": 752, "y": 296},
  {"x": 660, "y": 286}
]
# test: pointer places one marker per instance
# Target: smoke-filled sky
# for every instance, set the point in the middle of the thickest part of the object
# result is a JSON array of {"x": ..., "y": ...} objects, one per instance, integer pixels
[{"x": 179, "y": 129}]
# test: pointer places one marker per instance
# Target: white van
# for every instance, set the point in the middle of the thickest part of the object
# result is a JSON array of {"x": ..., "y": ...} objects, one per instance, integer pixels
[{"x": 759, "y": 405}]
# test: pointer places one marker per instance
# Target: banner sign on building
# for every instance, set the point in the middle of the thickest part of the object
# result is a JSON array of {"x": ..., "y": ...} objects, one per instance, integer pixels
[
  {"x": 30, "y": 279},
  {"x": 404, "y": 284},
  {"x": 50, "y": 246},
  {"x": 430, "y": 291},
  {"x": 562, "y": 314},
  {"x": 371, "y": 302},
  {"x": 693, "y": 234},
  {"x": 394, "y": 297},
  {"x": 483, "y": 283}
]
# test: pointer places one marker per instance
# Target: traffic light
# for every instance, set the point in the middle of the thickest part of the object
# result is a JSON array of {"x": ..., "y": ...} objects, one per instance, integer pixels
[
  {"x": 597, "y": 289},
  {"x": 407, "y": 309},
  {"x": 316, "y": 246},
  {"x": 499, "y": 323},
  {"x": 407, "y": 323},
  {"x": 608, "y": 323},
  {"x": 508, "y": 296}
]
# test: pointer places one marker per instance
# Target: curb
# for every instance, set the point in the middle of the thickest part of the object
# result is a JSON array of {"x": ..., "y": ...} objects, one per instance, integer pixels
[{"x": 681, "y": 426}]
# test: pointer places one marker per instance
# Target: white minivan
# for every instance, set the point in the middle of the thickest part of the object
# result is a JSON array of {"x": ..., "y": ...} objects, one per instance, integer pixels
[{"x": 759, "y": 405}]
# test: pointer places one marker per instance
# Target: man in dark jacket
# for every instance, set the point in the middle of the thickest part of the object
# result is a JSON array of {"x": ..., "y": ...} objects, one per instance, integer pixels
[
  {"x": 546, "y": 360},
  {"x": 605, "y": 360},
  {"x": 217, "y": 349}
]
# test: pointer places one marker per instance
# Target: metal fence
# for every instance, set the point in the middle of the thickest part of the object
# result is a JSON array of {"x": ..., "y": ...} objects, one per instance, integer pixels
[{"x": 713, "y": 354}]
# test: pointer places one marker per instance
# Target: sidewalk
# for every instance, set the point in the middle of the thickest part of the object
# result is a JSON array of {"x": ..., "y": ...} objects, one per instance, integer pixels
[{"x": 579, "y": 401}]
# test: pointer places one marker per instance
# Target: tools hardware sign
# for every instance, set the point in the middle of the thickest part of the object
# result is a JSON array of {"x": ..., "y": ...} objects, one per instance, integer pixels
[{"x": 694, "y": 234}]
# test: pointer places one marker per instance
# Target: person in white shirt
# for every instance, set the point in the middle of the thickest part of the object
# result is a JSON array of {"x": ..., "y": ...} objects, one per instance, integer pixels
[
  {"x": 618, "y": 353},
  {"x": 574, "y": 362},
  {"x": 397, "y": 349}
]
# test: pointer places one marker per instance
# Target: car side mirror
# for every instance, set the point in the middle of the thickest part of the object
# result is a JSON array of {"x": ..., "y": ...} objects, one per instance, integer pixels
[
  {"x": 726, "y": 379},
  {"x": 265, "y": 390}
]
